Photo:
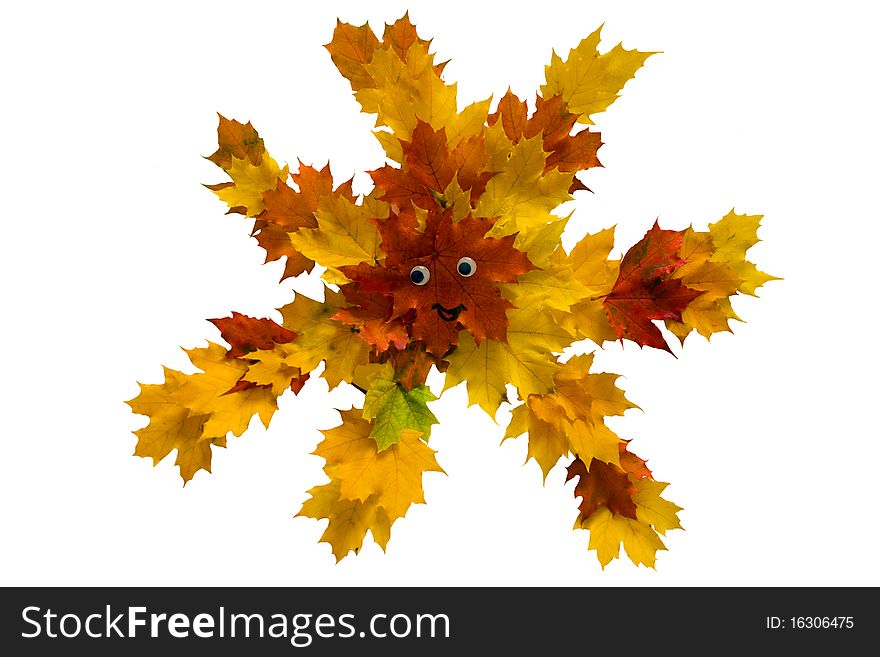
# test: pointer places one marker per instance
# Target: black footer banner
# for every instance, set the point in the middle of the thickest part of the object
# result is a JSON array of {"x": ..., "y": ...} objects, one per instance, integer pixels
[{"x": 429, "y": 621}]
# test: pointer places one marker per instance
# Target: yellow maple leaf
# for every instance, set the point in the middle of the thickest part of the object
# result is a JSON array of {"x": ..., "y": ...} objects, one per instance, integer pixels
[
  {"x": 406, "y": 91},
  {"x": 192, "y": 412},
  {"x": 322, "y": 337},
  {"x": 344, "y": 236},
  {"x": 553, "y": 287},
  {"x": 651, "y": 509},
  {"x": 208, "y": 393},
  {"x": 233, "y": 411},
  {"x": 349, "y": 520},
  {"x": 521, "y": 195},
  {"x": 270, "y": 367},
  {"x": 590, "y": 266},
  {"x": 249, "y": 181},
  {"x": 393, "y": 475},
  {"x": 172, "y": 427},
  {"x": 468, "y": 122},
  {"x": 605, "y": 397},
  {"x": 545, "y": 444},
  {"x": 454, "y": 197},
  {"x": 732, "y": 236},
  {"x": 542, "y": 243},
  {"x": 608, "y": 530},
  {"x": 590, "y": 82},
  {"x": 552, "y": 436}
]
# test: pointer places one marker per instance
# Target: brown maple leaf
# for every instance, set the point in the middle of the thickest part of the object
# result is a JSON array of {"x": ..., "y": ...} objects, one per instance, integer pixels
[{"x": 604, "y": 484}]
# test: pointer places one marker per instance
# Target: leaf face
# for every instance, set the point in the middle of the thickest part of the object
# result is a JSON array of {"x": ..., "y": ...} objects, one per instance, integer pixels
[
  {"x": 453, "y": 262},
  {"x": 448, "y": 275}
]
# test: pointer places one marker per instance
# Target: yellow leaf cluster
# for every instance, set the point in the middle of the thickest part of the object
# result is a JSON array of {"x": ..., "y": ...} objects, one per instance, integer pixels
[
  {"x": 570, "y": 418},
  {"x": 527, "y": 360},
  {"x": 191, "y": 412},
  {"x": 716, "y": 264},
  {"x": 368, "y": 489}
]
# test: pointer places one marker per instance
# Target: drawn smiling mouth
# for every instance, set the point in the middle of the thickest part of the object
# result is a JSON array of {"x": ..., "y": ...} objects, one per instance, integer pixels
[{"x": 447, "y": 314}]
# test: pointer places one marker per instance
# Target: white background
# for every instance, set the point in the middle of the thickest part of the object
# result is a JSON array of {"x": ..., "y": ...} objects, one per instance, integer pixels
[{"x": 113, "y": 255}]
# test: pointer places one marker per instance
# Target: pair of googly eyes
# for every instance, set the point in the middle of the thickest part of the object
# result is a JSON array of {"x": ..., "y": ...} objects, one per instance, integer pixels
[{"x": 420, "y": 275}]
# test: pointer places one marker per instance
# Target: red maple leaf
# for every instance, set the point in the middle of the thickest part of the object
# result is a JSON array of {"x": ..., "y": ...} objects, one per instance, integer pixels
[
  {"x": 246, "y": 334},
  {"x": 448, "y": 274},
  {"x": 645, "y": 290}
]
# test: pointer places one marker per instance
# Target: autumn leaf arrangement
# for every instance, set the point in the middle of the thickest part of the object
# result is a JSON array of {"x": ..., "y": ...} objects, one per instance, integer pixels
[{"x": 454, "y": 262}]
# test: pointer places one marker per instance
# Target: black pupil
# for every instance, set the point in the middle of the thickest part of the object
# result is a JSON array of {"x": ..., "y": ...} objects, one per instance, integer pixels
[
  {"x": 464, "y": 268},
  {"x": 417, "y": 276}
]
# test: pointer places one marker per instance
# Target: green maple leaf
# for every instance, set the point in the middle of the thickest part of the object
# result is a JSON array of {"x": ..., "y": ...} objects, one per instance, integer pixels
[{"x": 395, "y": 409}]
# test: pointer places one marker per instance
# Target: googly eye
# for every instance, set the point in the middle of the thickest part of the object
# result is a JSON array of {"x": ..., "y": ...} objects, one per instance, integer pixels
[
  {"x": 419, "y": 275},
  {"x": 466, "y": 267}
]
